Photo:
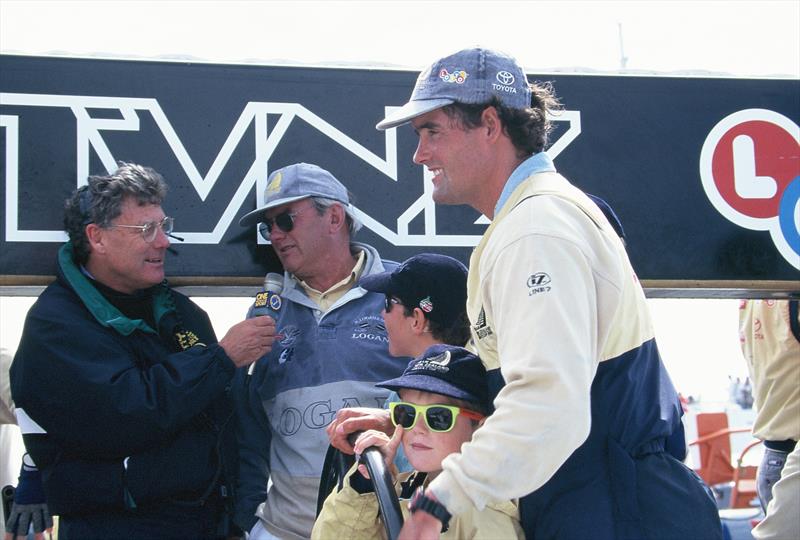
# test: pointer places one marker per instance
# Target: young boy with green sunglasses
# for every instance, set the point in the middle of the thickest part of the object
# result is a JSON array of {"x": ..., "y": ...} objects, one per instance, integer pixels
[{"x": 444, "y": 400}]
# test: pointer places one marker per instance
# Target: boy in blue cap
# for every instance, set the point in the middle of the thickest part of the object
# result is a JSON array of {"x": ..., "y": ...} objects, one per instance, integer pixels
[
  {"x": 431, "y": 291},
  {"x": 425, "y": 305},
  {"x": 444, "y": 401}
]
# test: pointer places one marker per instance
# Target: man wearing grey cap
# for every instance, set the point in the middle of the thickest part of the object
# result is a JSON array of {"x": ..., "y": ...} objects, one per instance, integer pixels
[
  {"x": 586, "y": 416},
  {"x": 332, "y": 348}
]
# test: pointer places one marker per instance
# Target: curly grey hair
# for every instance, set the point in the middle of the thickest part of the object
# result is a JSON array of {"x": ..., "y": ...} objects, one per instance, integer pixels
[{"x": 101, "y": 200}]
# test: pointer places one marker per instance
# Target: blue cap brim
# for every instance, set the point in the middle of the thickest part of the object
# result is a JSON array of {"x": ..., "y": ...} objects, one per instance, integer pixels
[
  {"x": 257, "y": 215},
  {"x": 411, "y": 110},
  {"x": 426, "y": 383},
  {"x": 381, "y": 283}
]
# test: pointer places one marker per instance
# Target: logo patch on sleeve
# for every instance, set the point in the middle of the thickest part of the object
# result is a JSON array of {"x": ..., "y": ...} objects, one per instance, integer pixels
[
  {"x": 482, "y": 329},
  {"x": 539, "y": 283},
  {"x": 187, "y": 339}
]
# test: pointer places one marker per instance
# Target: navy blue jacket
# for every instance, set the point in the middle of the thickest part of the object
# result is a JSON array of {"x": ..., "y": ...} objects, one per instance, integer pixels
[{"x": 131, "y": 426}]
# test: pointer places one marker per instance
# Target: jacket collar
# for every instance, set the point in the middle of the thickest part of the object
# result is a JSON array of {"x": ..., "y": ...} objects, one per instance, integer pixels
[
  {"x": 373, "y": 264},
  {"x": 100, "y": 308}
]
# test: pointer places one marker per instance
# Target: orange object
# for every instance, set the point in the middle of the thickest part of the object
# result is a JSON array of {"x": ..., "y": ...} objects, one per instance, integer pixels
[
  {"x": 716, "y": 467},
  {"x": 744, "y": 480}
]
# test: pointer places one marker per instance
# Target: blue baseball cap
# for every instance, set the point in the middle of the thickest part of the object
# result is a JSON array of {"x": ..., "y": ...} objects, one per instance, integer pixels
[
  {"x": 437, "y": 284},
  {"x": 447, "y": 370},
  {"x": 471, "y": 76}
]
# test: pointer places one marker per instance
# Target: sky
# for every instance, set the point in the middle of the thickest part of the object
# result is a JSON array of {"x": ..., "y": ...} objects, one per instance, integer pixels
[
  {"x": 745, "y": 38},
  {"x": 698, "y": 338}
]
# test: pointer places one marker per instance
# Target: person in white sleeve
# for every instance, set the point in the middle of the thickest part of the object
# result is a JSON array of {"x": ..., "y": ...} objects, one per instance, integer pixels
[{"x": 586, "y": 429}]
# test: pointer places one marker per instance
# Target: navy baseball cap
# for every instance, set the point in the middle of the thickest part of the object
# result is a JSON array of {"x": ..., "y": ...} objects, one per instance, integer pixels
[
  {"x": 471, "y": 76},
  {"x": 447, "y": 370},
  {"x": 437, "y": 284},
  {"x": 295, "y": 182}
]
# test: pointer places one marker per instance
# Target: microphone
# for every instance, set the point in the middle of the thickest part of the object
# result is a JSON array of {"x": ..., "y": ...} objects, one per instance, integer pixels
[
  {"x": 170, "y": 248},
  {"x": 268, "y": 302},
  {"x": 273, "y": 282}
]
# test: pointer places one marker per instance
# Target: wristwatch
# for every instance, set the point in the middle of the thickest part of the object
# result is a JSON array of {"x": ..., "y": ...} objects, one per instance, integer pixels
[{"x": 421, "y": 502}]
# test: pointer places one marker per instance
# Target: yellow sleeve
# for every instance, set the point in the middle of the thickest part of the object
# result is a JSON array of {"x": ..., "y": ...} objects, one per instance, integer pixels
[{"x": 348, "y": 514}]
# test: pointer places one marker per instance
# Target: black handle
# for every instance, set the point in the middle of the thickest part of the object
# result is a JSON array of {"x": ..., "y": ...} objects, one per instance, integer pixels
[
  {"x": 384, "y": 488},
  {"x": 7, "y": 496}
]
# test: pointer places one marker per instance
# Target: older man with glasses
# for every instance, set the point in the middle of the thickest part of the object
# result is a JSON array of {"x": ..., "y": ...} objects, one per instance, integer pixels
[
  {"x": 333, "y": 349},
  {"x": 120, "y": 384}
]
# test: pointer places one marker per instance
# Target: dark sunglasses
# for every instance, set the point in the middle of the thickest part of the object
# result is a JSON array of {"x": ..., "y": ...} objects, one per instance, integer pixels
[
  {"x": 439, "y": 418},
  {"x": 390, "y": 301},
  {"x": 284, "y": 221}
]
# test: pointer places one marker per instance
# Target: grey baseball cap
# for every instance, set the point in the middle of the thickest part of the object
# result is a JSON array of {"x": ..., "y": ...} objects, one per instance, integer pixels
[
  {"x": 471, "y": 76},
  {"x": 296, "y": 182}
]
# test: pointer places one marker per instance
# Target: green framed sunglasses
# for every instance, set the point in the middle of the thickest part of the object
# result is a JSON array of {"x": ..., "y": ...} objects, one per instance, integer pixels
[{"x": 439, "y": 418}]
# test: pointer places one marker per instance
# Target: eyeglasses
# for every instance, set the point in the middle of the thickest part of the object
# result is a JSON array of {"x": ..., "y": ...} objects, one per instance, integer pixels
[
  {"x": 390, "y": 301},
  {"x": 439, "y": 418},
  {"x": 284, "y": 221},
  {"x": 150, "y": 229}
]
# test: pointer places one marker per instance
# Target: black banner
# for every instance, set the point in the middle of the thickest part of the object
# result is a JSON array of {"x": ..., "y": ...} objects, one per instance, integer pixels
[{"x": 703, "y": 172}]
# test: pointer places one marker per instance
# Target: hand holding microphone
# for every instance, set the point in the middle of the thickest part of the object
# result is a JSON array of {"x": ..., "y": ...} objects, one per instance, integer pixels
[
  {"x": 268, "y": 302},
  {"x": 251, "y": 339}
]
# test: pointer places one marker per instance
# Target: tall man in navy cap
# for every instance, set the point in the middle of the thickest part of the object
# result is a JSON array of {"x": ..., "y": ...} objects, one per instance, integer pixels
[
  {"x": 332, "y": 349},
  {"x": 587, "y": 417}
]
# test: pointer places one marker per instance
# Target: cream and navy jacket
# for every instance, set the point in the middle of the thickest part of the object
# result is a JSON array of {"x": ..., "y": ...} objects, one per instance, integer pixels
[{"x": 586, "y": 428}]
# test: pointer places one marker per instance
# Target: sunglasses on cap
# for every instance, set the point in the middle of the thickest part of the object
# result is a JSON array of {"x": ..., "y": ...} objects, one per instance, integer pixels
[
  {"x": 390, "y": 301},
  {"x": 284, "y": 221},
  {"x": 439, "y": 418}
]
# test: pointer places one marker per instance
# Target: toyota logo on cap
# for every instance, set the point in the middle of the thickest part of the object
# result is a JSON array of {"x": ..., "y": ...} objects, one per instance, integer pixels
[{"x": 505, "y": 78}]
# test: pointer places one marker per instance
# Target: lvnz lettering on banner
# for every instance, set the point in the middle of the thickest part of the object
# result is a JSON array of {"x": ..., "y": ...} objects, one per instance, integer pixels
[{"x": 90, "y": 137}]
